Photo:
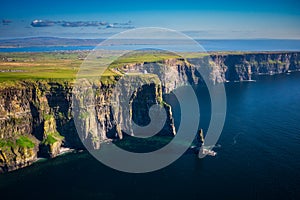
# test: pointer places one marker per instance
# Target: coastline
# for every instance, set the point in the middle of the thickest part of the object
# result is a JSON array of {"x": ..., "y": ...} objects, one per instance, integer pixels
[{"x": 62, "y": 151}]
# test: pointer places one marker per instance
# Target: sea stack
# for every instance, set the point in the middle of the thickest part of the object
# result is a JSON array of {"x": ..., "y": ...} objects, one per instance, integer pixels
[{"x": 200, "y": 137}]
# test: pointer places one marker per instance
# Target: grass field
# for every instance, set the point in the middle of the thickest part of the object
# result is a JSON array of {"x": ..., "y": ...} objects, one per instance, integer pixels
[{"x": 20, "y": 66}]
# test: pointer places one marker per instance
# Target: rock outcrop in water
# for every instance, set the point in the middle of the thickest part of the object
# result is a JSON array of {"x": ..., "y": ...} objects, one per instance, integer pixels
[{"x": 36, "y": 117}]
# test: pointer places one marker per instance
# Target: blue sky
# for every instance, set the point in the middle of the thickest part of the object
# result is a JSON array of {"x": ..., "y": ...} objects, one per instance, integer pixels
[{"x": 216, "y": 19}]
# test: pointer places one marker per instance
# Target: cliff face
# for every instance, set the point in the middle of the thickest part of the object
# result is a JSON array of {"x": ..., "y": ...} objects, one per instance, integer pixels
[
  {"x": 219, "y": 68},
  {"x": 172, "y": 73},
  {"x": 247, "y": 66},
  {"x": 27, "y": 125},
  {"x": 36, "y": 117},
  {"x": 244, "y": 67},
  {"x": 116, "y": 108}
]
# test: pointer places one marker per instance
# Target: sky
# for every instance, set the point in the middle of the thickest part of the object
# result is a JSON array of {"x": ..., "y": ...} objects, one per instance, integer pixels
[{"x": 218, "y": 19}]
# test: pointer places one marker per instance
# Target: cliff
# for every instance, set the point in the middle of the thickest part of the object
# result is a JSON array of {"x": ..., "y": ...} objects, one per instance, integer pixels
[
  {"x": 219, "y": 68},
  {"x": 36, "y": 117},
  {"x": 248, "y": 66},
  {"x": 116, "y": 108},
  {"x": 28, "y": 127}
]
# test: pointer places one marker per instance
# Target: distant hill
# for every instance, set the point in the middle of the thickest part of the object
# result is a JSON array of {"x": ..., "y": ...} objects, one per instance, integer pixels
[{"x": 48, "y": 41}]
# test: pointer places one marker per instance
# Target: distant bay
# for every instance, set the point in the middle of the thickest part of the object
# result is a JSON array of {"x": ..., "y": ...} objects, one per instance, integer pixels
[{"x": 208, "y": 45}]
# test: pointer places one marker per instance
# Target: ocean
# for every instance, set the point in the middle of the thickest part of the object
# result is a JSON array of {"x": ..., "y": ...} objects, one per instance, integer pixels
[
  {"x": 207, "y": 45},
  {"x": 258, "y": 156}
]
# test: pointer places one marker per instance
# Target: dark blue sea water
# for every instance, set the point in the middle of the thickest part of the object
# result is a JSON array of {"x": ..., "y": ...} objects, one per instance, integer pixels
[
  {"x": 259, "y": 157},
  {"x": 208, "y": 45}
]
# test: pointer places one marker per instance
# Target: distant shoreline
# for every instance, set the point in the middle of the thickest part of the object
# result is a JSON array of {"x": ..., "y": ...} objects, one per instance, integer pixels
[{"x": 49, "y": 44}]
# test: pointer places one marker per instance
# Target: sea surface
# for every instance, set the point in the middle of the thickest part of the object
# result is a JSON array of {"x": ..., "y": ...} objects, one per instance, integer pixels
[
  {"x": 258, "y": 156},
  {"x": 206, "y": 45}
]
